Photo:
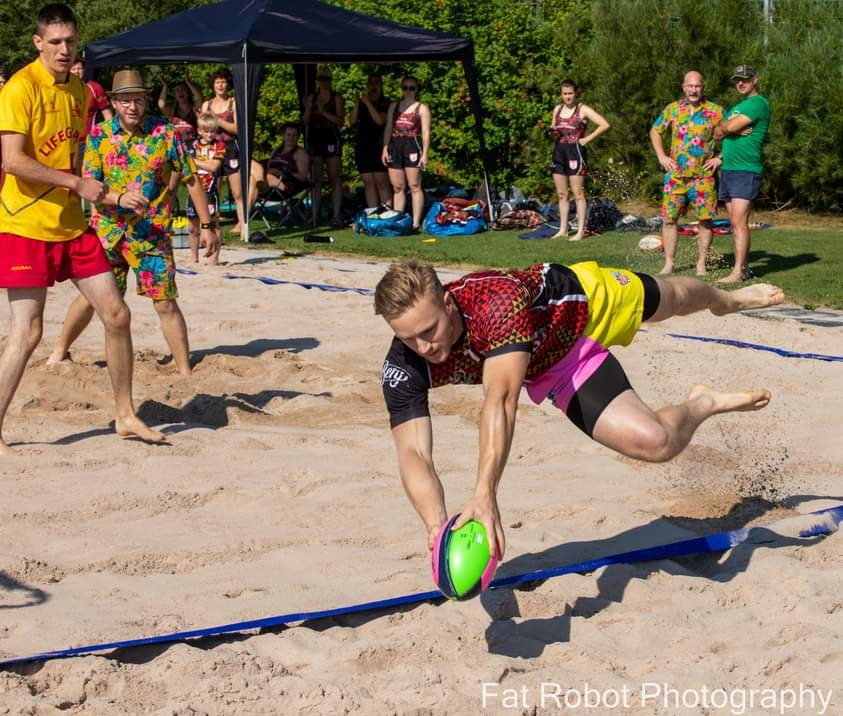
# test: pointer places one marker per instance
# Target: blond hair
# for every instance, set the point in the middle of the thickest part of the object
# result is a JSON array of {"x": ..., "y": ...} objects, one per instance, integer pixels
[
  {"x": 207, "y": 121},
  {"x": 403, "y": 285}
]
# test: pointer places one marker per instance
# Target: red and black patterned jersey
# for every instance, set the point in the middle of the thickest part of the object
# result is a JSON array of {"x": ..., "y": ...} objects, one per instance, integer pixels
[{"x": 542, "y": 310}]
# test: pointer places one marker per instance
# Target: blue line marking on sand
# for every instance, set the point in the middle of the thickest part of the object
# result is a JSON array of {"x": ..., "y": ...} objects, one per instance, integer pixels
[{"x": 828, "y": 521}]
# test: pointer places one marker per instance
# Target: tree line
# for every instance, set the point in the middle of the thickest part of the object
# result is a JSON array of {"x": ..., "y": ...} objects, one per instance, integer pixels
[{"x": 628, "y": 56}]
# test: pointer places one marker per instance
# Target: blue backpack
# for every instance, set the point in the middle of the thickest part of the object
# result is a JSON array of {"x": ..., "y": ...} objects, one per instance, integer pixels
[
  {"x": 377, "y": 222},
  {"x": 455, "y": 218}
]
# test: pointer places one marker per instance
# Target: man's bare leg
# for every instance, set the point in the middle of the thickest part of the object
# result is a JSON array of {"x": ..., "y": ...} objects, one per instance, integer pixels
[
  {"x": 79, "y": 315},
  {"x": 703, "y": 244},
  {"x": 104, "y": 296},
  {"x": 631, "y": 428},
  {"x": 175, "y": 333},
  {"x": 739, "y": 219},
  {"x": 669, "y": 239},
  {"x": 26, "y": 313},
  {"x": 682, "y": 295}
]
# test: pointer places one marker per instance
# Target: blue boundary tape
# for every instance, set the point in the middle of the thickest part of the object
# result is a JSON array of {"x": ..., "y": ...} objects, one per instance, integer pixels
[
  {"x": 697, "y": 545},
  {"x": 368, "y": 292}
]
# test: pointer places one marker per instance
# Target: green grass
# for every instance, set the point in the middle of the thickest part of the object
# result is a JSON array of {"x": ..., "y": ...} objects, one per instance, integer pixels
[{"x": 807, "y": 264}]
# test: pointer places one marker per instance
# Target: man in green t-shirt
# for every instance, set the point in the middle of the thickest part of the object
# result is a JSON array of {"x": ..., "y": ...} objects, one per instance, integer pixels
[{"x": 743, "y": 133}]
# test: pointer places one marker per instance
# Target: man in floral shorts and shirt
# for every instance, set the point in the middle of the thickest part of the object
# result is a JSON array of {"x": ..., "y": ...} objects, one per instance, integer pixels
[
  {"x": 134, "y": 155},
  {"x": 689, "y": 177}
]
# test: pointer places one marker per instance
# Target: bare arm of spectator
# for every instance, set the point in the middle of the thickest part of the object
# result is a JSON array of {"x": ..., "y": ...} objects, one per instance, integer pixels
[
  {"x": 598, "y": 119},
  {"x": 165, "y": 107},
  {"x": 387, "y": 133},
  {"x": 338, "y": 115},
  {"x": 656, "y": 139},
  {"x": 194, "y": 90},
  {"x": 735, "y": 125},
  {"x": 209, "y": 165},
  {"x": 379, "y": 117},
  {"x": 424, "y": 112},
  {"x": 308, "y": 110}
]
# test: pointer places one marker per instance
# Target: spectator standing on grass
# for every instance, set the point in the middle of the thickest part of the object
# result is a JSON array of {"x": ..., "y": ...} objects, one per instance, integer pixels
[
  {"x": 224, "y": 108},
  {"x": 324, "y": 115},
  {"x": 569, "y": 164},
  {"x": 369, "y": 114},
  {"x": 743, "y": 133},
  {"x": 208, "y": 153},
  {"x": 690, "y": 166},
  {"x": 406, "y": 142},
  {"x": 187, "y": 98}
]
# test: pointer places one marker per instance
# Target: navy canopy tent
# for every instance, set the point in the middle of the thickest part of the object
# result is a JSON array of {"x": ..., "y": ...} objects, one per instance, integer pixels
[{"x": 250, "y": 34}]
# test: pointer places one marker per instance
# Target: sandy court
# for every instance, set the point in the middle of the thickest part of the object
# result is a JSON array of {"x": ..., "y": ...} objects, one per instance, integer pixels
[{"x": 278, "y": 492}]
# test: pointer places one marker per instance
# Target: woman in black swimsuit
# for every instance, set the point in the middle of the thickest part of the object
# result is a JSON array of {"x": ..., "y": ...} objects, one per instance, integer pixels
[{"x": 369, "y": 114}]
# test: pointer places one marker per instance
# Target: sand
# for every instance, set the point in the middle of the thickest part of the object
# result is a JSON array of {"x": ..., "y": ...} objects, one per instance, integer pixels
[{"x": 277, "y": 492}]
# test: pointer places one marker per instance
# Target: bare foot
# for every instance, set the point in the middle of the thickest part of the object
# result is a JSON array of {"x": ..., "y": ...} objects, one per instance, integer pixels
[
  {"x": 560, "y": 235},
  {"x": 133, "y": 425},
  {"x": 666, "y": 269},
  {"x": 5, "y": 449},
  {"x": 734, "y": 277},
  {"x": 701, "y": 270},
  {"x": 746, "y": 400},
  {"x": 57, "y": 357},
  {"x": 759, "y": 295},
  {"x": 576, "y": 237}
]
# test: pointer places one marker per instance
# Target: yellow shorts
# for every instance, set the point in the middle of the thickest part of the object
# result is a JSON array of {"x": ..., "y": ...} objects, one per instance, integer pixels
[{"x": 615, "y": 303}]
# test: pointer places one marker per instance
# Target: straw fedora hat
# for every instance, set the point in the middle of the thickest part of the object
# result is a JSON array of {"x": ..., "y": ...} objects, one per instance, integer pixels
[{"x": 126, "y": 81}]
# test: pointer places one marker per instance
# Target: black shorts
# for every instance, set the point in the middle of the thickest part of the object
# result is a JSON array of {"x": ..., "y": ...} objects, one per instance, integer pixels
[
  {"x": 609, "y": 380},
  {"x": 324, "y": 143},
  {"x": 569, "y": 159},
  {"x": 404, "y": 152},
  {"x": 369, "y": 158},
  {"x": 231, "y": 163},
  {"x": 213, "y": 203}
]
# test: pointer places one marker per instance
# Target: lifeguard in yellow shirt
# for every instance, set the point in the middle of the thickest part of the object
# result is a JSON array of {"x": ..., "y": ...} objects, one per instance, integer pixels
[{"x": 44, "y": 237}]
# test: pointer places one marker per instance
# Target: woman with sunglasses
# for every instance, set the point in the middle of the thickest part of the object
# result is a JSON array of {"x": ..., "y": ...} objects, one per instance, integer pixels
[
  {"x": 568, "y": 165},
  {"x": 406, "y": 143},
  {"x": 323, "y": 116}
]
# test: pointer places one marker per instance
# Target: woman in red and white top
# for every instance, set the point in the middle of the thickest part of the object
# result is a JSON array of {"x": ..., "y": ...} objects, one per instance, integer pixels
[
  {"x": 406, "y": 140},
  {"x": 569, "y": 165}
]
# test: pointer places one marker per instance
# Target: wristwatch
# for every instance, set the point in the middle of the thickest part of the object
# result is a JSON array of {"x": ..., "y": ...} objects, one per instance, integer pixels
[{"x": 209, "y": 225}]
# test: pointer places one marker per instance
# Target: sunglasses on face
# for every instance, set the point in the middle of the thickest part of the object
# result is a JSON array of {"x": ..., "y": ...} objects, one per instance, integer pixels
[
  {"x": 409, "y": 88},
  {"x": 126, "y": 103}
]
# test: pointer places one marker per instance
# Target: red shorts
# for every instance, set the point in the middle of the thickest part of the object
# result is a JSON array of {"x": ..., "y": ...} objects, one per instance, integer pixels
[{"x": 30, "y": 263}]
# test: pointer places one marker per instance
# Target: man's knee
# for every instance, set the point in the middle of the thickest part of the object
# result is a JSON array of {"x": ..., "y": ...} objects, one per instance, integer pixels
[
  {"x": 166, "y": 308},
  {"x": 27, "y": 335},
  {"x": 651, "y": 442},
  {"x": 115, "y": 316}
]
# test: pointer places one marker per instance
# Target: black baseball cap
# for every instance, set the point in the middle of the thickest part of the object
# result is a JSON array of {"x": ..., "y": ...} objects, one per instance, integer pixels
[{"x": 743, "y": 72}]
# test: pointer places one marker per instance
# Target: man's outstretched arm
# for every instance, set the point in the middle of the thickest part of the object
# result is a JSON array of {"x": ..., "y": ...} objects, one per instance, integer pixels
[
  {"x": 503, "y": 376},
  {"x": 414, "y": 444}
]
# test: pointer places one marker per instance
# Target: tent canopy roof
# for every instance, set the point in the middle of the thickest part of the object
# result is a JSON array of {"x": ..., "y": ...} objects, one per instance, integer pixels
[{"x": 275, "y": 31}]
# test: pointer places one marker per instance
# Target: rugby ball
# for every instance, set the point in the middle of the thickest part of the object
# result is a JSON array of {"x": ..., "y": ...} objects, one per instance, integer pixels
[{"x": 651, "y": 243}]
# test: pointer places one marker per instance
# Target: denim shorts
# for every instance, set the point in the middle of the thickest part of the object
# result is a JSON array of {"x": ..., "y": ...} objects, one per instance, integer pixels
[{"x": 738, "y": 185}]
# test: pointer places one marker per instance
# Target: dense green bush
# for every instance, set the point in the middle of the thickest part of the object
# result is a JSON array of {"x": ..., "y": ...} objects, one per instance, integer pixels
[{"x": 629, "y": 56}]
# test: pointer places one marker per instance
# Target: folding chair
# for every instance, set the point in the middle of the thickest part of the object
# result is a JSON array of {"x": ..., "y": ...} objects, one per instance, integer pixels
[{"x": 277, "y": 209}]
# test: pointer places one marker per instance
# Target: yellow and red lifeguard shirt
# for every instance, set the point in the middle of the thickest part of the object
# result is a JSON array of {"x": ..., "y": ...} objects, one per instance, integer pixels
[{"x": 51, "y": 116}]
